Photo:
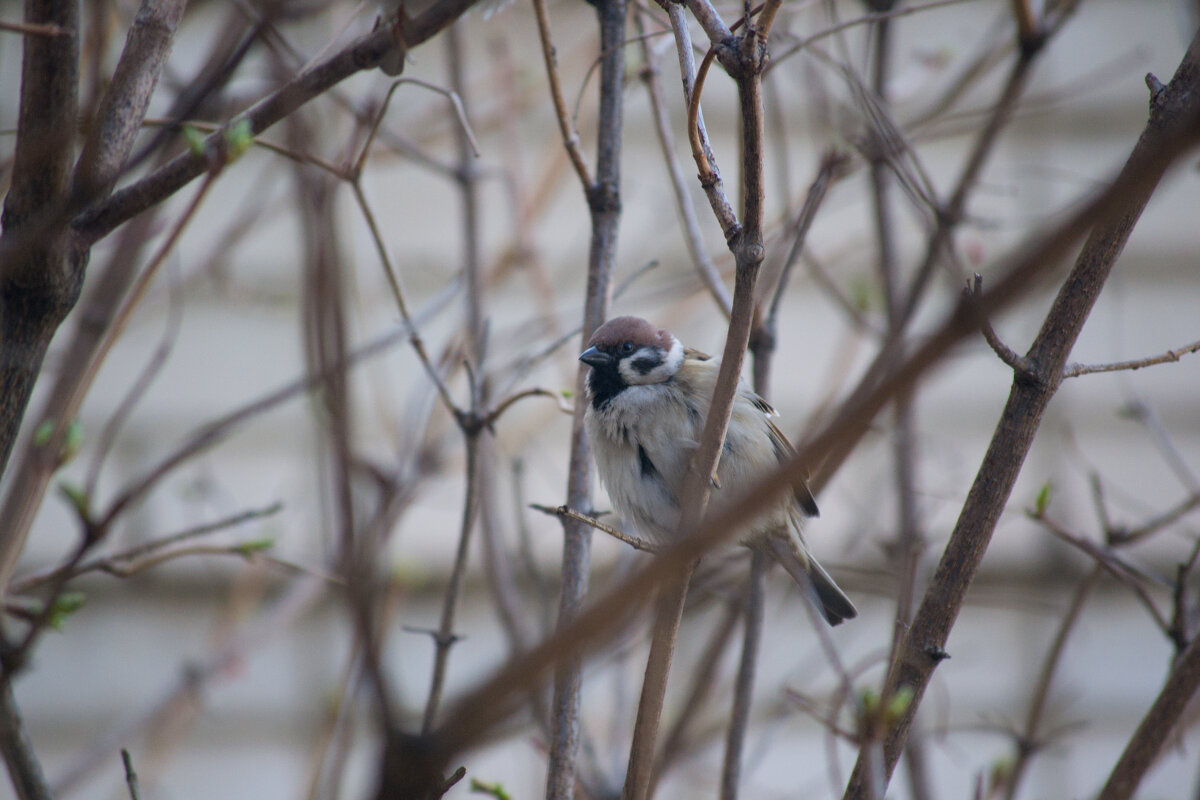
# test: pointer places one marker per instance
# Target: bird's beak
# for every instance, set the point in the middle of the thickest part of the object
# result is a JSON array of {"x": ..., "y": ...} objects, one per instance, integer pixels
[{"x": 594, "y": 358}]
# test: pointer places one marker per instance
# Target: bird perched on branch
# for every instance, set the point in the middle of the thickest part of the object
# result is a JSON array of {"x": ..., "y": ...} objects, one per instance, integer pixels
[{"x": 648, "y": 397}]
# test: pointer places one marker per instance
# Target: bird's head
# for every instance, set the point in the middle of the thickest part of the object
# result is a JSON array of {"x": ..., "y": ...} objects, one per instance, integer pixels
[{"x": 629, "y": 351}]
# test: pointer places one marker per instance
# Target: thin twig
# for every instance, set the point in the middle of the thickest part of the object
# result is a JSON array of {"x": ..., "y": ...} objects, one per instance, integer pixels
[
  {"x": 111, "y": 562},
  {"x": 1113, "y": 564},
  {"x": 565, "y": 126},
  {"x": 683, "y": 199},
  {"x": 1027, "y": 740},
  {"x": 1015, "y": 361},
  {"x": 865, "y": 19},
  {"x": 445, "y": 638},
  {"x": 604, "y": 206},
  {"x": 131, "y": 778},
  {"x": 1171, "y": 356},
  {"x": 490, "y": 419},
  {"x": 33, "y": 28},
  {"x": 563, "y": 512},
  {"x": 743, "y": 688},
  {"x": 710, "y": 178}
]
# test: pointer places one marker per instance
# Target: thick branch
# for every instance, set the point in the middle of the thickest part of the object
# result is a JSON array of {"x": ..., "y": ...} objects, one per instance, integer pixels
[
  {"x": 1173, "y": 121},
  {"x": 37, "y": 285},
  {"x": 123, "y": 107}
]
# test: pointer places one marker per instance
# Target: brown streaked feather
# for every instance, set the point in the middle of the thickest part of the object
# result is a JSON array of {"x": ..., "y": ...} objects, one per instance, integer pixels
[{"x": 784, "y": 452}]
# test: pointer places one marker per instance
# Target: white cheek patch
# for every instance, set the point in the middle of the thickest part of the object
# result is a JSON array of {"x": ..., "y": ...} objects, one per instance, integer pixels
[{"x": 668, "y": 364}]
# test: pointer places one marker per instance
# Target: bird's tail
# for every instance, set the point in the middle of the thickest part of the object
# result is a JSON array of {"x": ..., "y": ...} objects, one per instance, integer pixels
[{"x": 804, "y": 569}]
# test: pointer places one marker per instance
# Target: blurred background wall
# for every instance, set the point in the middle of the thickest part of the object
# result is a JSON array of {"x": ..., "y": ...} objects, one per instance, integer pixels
[{"x": 222, "y": 674}]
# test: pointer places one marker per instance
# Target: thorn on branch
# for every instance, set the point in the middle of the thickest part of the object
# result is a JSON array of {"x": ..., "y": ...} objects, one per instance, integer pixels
[
  {"x": 447, "y": 640},
  {"x": 454, "y": 778},
  {"x": 936, "y": 654},
  {"x": 131, "y": 778},
  {"x": 1156, "y": 88}
]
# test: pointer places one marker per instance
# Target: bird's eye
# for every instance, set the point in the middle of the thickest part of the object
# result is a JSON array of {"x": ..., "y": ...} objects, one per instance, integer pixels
[{"x": 626, "y": 348}]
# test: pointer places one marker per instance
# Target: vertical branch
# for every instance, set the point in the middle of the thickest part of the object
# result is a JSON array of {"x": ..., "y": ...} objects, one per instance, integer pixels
[
  {"x": 744, "y": 59},
  {"x": 1027, "y": 743},
  {"x": 39, "y": 282},
  {"x": 23, "y": 767},
  {"x": 743, "y": 691},
  {"x": 908, "y": 545},
  {"x": 604, "y": 204},
  {"x": 444, "y": 637},
  {"x": 54, "y": 288},
  {"x": 683, "y": 200},
  {"x": 473, "y": 431}
]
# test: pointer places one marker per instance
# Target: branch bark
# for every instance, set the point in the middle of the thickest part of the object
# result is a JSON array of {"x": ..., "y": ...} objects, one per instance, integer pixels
[
  {"x": 38, "y": 286},
  {"x": 1147, "y": 742},
  {"x": 604, "y": 203},
  {"x": 747, "y": 248}
]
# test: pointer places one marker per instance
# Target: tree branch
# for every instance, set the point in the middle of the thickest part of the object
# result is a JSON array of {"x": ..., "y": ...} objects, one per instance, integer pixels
[
  {"x": 604, "y": 205},
  {"x": 1147, "y": 741},
  {"x": 364, "y": 53},
  {"x": 1173, "y": 124}
]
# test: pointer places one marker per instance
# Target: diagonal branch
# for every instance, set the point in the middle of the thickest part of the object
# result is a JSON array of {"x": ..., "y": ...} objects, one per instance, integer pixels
[
  {"x": 1173, "y": 124},
  {"x": 364, "y": 53},
  {"x": 119, "y": 119}
]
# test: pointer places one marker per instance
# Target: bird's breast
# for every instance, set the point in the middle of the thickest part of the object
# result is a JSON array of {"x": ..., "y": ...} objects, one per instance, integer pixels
[{"x": 642, "y": 441}]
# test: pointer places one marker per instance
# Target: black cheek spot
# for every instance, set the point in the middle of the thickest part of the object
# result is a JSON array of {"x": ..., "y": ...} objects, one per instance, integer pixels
[{"x": 644, "y": 364}]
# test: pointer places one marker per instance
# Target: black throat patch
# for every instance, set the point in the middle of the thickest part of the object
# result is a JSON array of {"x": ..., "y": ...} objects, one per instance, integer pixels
[{"x": 604, "y": 384}]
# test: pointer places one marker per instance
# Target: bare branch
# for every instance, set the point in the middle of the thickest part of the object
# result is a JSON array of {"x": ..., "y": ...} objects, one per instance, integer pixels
[
  {"x": 683, "y": 200},
  {"x": 33, "y": 28},
  {"x": 110, "y": 562},
  {"x": 364, "y": 53},
  {"x": 710, "y": 178},
  {"x": 119, "y": 117},
  {"x": 743, "y": 692},
  {"x": 1171, "y": 356},
  {"x": 1028, "y": 740},
  {"x": 131, "y": 778},
  {"x": 710, "y": 21},
  {"x": 1018, "y": 363},
  {"x": 604, "y": 205},
  {"x": 1151, "y": 735},
  {"x": 565, "y": 125},
  {"x": 565, "y": 512},
  {"x": 23, "y": 767},
  {"x": 1172, "y": 126}
]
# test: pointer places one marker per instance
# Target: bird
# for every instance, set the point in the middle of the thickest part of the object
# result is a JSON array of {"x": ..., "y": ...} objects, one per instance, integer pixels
[{"x": 647, "y": 399}]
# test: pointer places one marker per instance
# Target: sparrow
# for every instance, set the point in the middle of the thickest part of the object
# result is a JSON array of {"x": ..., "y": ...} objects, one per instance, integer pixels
[{"x": 647, "y": 399}]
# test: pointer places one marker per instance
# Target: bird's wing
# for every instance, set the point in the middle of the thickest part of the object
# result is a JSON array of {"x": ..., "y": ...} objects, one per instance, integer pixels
[{"x": 784, "y": 452}]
